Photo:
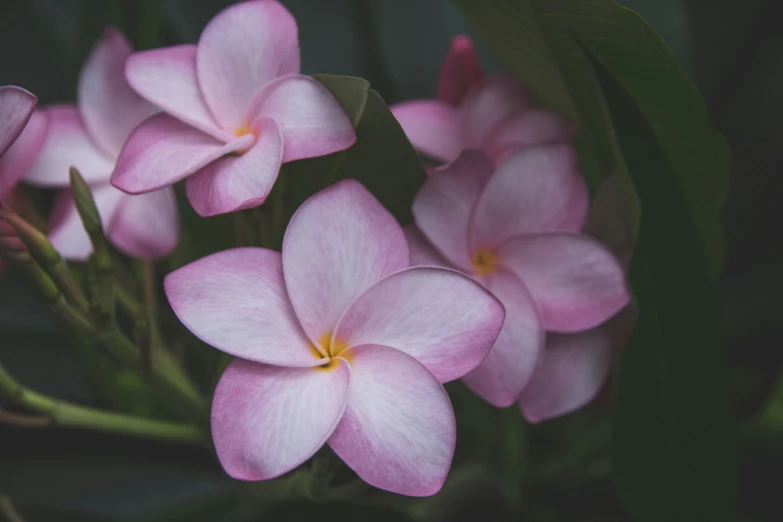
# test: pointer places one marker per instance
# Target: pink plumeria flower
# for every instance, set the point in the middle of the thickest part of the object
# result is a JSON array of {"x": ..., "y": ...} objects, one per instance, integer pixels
[
  {"x": 236, "y": 109},
  {"x": 18, "y": 125},
  {"x": 574, "y": 367},
  {"x": 495, "y": 115},
  {"x": 89, "y": 136},
  {"x": 517, "y": 232},
  {"x": 337, "y": 341}
]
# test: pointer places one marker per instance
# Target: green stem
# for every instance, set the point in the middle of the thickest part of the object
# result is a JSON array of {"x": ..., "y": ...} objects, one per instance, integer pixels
[
  {"x": 57, "y": 302},
  {"x": 513, "y": 462},
  {"x": 150, "y": 295},
  {"x": 63, "y": 413},
  {"x": 166, "y": 376}
]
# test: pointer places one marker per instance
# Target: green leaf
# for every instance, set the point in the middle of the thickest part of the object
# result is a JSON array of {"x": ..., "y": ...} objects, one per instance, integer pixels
[
  {"x": 673, "y": 428},
  {"x": 534, "y": 40},
  {"x": 382, "y": 158}
]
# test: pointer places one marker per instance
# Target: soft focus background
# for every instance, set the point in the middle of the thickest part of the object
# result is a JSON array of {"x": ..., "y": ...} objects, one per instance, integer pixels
[{"x": 732, "y": 51}]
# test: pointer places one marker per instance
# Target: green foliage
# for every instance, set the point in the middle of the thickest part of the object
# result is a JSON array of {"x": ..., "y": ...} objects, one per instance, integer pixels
[
  {"x": 382, "y": 158},
  {"x": 673, "y": 433},
  {"x": 534, "y": 39}
]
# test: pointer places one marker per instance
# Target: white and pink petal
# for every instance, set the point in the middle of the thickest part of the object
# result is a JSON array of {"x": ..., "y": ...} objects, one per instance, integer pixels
[
  {"x": 166, "y": 77},
  {"x": 398, "y": 431},
  {"x": 432, "y": 127},
  {"x": 23, "y": 152},
  {"x": 444, "y": 205},
  {"x": 236, "y": 301},
  {"x": 109, "y": 107},
  {"x": 422, "y": 251},
  {"x": 67, "y": 144},
  {"x": 163, "y": 150},
  {"x": 311, "y": 120},
  {"x": 267, "y": 420},
  {"x": 16, "y": 106},
  {"x": 240, "y": 50},
  {"x": 572, "y": 371},
  {"x": 239, "y": 181},
  {"x": 488, "y": 105},
  {"x": 576, "y": 281},
  {"x": 339, "y": 242},
  {"x": 501, "y": 377},
  {"x": 529, "y": 127},
  {"x": 145, "y": 226},
  {"x": 537, "y": 189},
  {"x": 442, "y": 318}
]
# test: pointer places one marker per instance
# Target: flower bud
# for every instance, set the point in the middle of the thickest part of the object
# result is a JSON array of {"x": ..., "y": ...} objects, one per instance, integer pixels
[{"x": 85, "y": 204}]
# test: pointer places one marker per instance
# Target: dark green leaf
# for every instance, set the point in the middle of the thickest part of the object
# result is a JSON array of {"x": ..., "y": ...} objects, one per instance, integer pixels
[
  {"x": 673, "y": 432},
  {"x": 382, "y": 157},
  {"x": 534, "y": 40}
]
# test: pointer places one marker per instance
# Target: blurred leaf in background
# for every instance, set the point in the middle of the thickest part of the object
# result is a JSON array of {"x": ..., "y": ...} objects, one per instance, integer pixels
[{"x": 673, "y": 436}]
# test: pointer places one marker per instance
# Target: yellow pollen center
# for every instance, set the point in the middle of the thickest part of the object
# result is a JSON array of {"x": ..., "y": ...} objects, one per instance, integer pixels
[
  {"x": 485, "y": 262},
  {"x": 332, "y": 347},
  {"x": 243, "y": 130}
]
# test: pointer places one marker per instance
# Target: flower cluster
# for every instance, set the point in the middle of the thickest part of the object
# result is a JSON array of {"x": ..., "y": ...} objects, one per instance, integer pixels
[{"x": 345, "y": 337}]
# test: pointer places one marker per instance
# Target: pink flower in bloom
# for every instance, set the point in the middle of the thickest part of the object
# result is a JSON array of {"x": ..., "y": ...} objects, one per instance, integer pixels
[
  {"x": 89, "y": 136},
  {"x": 495, "y": 115},
  {"x": 517, "y": 232},
  {"x": 236, "y": 109},
  {"x": 18, "y": 123},
  {"x": 338, "y": 341},
  {"x": 574, "y": 367}
]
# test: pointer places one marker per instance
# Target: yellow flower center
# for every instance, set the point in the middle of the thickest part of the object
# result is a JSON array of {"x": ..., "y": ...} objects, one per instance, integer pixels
[
  {"x": 484, "y": 262},
  {"x": 329, "y": 348},
  {"x": 244, "y": 130}
]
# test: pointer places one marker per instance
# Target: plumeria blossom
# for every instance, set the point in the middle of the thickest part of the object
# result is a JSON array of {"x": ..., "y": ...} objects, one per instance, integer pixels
[
  {"x": 517, "y": 231},
  {"x": 89, "y": 136},
  {"x": 574, "y": 367},
  {"x": 495, "y": 115},
  {"x": 337, "y": 341},
  {"x": 18, "y": 122},
  {"x": 236, "y": 108}
]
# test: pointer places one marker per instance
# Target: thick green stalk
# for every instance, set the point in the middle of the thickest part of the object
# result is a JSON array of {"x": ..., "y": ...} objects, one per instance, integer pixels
[
  {"x": 63, "y": 413},
  {"x": 166, "y": 377},
  {"x": 47, "y": 257}
]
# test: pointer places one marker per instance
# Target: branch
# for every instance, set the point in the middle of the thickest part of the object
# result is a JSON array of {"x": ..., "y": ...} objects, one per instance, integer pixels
[{"x": 64, "y": 413}]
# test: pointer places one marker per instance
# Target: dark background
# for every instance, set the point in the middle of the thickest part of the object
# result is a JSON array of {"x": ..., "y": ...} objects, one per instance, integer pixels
[{"x": 732, "y": 50}]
